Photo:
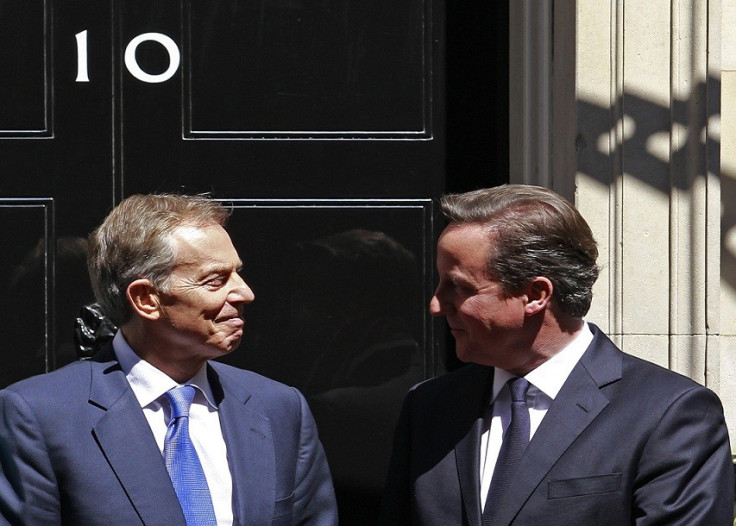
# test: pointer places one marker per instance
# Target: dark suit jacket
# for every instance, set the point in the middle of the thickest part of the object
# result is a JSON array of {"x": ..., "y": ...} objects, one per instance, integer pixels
[
  {"x": 624, "y": 442},
  {"x": 83, "y": 453}
]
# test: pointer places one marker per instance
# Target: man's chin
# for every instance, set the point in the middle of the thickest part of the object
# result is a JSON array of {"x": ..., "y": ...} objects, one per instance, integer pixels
[
  {"x": 463, "y": 355},
  {"x": 470, "y": 356},
  {"x": 225, "y": 346},
  {"x": 231, "y": 345}
]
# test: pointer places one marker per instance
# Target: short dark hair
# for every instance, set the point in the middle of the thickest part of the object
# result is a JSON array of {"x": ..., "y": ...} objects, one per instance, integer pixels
[
  {"x": 134, "y": 241},
  {"x": 534, "y": 232}
]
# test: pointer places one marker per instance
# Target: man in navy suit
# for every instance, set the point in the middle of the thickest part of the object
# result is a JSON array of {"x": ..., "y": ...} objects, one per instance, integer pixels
[
  {"x": 597, "y": 437},
  {"x": 84, "y": 443}
]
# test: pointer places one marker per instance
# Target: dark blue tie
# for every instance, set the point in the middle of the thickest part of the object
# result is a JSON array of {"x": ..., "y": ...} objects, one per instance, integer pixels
[
  {"x": 183, "y": 463},
  {"x": 514, "y": 444}
]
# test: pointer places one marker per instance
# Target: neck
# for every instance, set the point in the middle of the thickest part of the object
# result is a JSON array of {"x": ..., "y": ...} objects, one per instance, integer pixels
[
  {"x": 559, "y": 333},
  {"x": 553, "y": 334},
  {"x": 159, "y": 354}
]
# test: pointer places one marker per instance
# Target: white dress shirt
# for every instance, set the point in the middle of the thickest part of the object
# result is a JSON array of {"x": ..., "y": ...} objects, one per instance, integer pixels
[
  {"x": 545, "y": 382},
  {"x": 149, "y": 386}
]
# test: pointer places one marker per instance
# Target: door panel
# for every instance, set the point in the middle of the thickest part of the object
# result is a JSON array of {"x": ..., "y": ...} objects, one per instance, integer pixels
[
  {"x": 24, "y": 74},
  {"x": 340, "y": 314},
  {"x": 28, "y": 293},
  {"x": 327, "y": 69}
]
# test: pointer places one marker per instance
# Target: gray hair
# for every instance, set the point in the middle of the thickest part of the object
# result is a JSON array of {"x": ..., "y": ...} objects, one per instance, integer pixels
[
  {"x": 134, "y": 242},
  {"x": 533, "y": 232}
]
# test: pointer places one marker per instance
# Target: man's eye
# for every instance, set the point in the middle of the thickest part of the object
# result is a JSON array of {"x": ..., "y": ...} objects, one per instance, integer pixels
[
  {"x": 216, "y": 282},
  {"x": 464, "y": 289}
]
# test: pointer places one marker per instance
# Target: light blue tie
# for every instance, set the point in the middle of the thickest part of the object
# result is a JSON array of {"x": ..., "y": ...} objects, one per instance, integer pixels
[{"x": 183, "y": 463}]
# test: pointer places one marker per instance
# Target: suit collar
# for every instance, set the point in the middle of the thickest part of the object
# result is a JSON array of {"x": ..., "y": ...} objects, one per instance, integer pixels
[
  {"x": 223, "y": 381},
  {"x": 107, "y": 381},
  {"x": 603, "y": 360}
]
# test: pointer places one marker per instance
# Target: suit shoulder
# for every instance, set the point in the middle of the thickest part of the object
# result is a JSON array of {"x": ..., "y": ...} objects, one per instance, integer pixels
[
  {"x": 658, "y": 380},
  {"x": 65, "y": 379},
  {"x": 468, "y": 372},
  {"x": 611, "y": 367},
  {"x": 456, "y": 384},
  {"x": 256, "y": 384},
  {"x": 280, "y": 403},
  {"x": 58, "y": 392}
]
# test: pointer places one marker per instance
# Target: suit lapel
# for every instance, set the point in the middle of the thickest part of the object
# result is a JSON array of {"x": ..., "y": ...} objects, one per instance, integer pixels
[
  {"x": 125, "y": 438},
  {"x": 250, "y": 450},
  {"x": 468, "y": 459},
  {"x": 577, "y": 404},
  {"x": 467, "y": 451}
]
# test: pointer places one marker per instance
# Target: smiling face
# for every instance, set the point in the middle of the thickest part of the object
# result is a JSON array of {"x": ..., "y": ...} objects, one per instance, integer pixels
[
  {"x": 488, "y": 325},
  {"x": 202, "y": 309}
]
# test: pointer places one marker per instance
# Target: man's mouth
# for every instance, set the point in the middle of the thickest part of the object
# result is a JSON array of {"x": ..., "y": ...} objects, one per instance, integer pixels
[{"x": 235, "y": 323}]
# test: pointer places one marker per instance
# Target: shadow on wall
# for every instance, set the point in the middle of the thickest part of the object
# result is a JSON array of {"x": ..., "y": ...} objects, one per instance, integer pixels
[
  {"x": 646, "y": 122},
  {"x": 728, "y": 226}
]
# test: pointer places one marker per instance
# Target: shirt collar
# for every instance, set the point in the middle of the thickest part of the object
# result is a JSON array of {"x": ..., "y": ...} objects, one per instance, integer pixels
[
  {"x": 149, "y": 383},
  {"x": 552, "y": 374}
]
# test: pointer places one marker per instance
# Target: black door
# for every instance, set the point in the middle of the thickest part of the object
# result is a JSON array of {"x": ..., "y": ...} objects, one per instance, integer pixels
[{"x": 321, "y": 123}]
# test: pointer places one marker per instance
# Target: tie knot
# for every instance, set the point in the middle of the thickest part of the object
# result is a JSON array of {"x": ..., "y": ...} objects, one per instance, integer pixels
[
  {"x": 180, "y": 399},
  {"x": 518, "y": 387}
]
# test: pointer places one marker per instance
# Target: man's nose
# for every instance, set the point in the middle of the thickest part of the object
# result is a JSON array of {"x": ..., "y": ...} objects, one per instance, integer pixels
[
  {"x": 436, "y": 306},
  {"x": 240, "y": 291}
]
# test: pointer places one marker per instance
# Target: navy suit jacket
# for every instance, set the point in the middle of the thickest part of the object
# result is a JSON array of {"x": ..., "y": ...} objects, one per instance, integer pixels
[
  {"x": 79, "y": 451},
  {"x": 624, "y": 442}
]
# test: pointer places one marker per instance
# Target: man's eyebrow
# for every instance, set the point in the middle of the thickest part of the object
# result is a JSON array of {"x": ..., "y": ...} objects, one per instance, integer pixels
[
  {"x": 219, "y": 268},
  {"x": 456, "y": 277},
  {"x": 459, "y": 280}
]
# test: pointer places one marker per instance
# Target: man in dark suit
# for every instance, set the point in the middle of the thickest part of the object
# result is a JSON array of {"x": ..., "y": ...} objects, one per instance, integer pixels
[
  {"x": 101, "y": 441},
  {"x": 550, "y": 423}
]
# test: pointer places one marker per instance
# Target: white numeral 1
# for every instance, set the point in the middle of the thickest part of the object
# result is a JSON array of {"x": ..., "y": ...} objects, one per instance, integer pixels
[{"x": 82, "y": 57}]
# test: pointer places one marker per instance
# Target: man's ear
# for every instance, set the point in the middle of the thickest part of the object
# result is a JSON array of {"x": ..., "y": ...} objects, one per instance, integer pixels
[
  {"x": 144, "y": 299},
  {"x": 539, "y": 294}
]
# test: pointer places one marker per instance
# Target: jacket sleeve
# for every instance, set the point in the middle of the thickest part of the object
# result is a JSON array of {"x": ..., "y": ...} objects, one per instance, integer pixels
[
  {"x": 28, "y": 487},
  {"x": 685, "y": 473},
  {"x": 314, "y": 496}
]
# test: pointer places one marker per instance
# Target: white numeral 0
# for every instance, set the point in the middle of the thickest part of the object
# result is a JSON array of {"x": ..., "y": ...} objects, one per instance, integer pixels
[{"x": 135, "y": 69}]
